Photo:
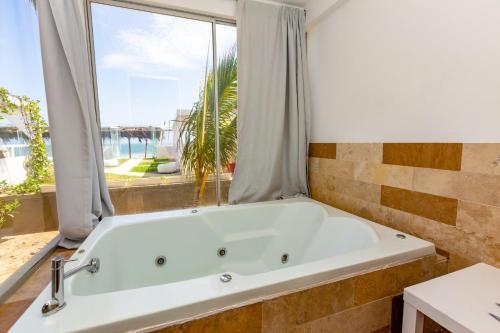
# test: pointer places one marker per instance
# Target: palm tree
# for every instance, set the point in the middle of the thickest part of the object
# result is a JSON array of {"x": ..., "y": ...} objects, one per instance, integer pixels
[{"x": 197, "y": 132}]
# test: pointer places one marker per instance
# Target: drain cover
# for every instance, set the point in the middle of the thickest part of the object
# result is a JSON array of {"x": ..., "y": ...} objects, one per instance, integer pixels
[{"x": 226, "y": 278}]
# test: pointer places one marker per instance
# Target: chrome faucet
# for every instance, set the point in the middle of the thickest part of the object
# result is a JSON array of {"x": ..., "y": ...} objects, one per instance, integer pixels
[{"x": 57, "y": 302}]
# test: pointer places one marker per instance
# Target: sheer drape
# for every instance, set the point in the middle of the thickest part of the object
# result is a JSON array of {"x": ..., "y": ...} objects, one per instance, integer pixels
[
  {"x": 273, "y": 103},
  {"x": 82, "y": 194}
]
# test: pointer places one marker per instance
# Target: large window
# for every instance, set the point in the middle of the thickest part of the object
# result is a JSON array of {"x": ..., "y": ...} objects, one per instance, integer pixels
[
  {"x": 28, "y": 217},
  {"x": 154, "y": 72}
]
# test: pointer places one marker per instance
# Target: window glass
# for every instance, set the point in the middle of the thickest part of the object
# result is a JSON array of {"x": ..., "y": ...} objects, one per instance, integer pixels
[
  {"x": 28, "y": 217},
  {"x": 154, "y": 77}
]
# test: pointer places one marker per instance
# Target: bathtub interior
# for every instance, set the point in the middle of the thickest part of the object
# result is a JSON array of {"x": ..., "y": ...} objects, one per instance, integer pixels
[{"x": 254, "y": 239}]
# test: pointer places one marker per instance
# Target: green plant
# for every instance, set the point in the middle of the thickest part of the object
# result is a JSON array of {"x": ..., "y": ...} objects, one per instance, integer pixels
[
  {"x": 197, "y": 132},
  {"x": 7, "y": 210},
  {"x": 149, "y": 165},
  {"x": 37, "y": 162}
]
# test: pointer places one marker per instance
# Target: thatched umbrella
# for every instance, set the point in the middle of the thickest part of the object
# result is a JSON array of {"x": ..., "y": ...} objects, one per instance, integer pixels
[{"x": 141, "y": 133}]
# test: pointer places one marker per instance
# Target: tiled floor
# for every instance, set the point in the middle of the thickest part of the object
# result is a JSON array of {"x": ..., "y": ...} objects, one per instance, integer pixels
[{"x": 15, "y": 306}]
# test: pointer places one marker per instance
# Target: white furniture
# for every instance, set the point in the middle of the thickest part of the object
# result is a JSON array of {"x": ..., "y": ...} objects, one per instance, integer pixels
[
  {"x": 460, "y": 301},
  {"x": 170, "y": 167}
]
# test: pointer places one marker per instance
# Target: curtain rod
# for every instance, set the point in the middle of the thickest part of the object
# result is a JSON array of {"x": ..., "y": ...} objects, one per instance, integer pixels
[{"x": 278, "y": 3}]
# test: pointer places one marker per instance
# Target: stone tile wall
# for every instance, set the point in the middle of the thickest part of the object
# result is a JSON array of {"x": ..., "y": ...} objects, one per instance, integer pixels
[
  {"x": 355, "y": 304},
  {"x": 447, "y": 193}
]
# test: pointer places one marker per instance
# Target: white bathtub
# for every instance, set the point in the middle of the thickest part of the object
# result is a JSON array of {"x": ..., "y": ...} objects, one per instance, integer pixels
[{"x": 131, "y": 292}]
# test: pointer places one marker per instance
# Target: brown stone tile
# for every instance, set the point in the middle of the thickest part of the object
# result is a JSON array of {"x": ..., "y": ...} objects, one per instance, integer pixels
[
  {"x": 481, "y": 220},
  {"x": 283, "y": 313},
  {"x": 387, "y": 282},
  {"x": 465, "y": 186},
  {"x": 360, "y": 152},
  {"x": 370, "y": 317},
  {"x": 481, "y": 158},
  {"x": 386, "y": 329},
  {"x": 458, "y": 262},
  {"x": 247, "y": 319},
  {"x": 434, "y": 207},
  {"x": 447, "y": 156},
  {"x": 323, "y": 150},
  {"x": 431, "y": 326},
  {"x": 384, "y": 174},
  {"x": 9, "y": 313}
]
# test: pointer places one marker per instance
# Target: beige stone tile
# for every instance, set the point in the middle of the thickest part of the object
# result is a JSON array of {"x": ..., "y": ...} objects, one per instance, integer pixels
[
  {"x": 481, "y": 158},
  {"x": 286, "y": 312},
  {"x": 395, "y": 219},
  {"x": 246, "y": 319},
  {"x": 313, "y": 164},
  {"x": 360, "y": 152},
  {"x": 367, "y": 318},
  {"x": 360, "y": 190},
  {"x": 387, "y": 282},
  {"x": 384, "y": 174},
  {"x": 460, "y": 185},
  {"x": 481, "y": 220},
  {"x": 458, "y": 243},
  {"x": 337, "y": 168},
  {"x": 390, "y": 217}
]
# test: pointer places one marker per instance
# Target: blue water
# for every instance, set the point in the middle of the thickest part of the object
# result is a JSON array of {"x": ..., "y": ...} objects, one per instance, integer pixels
[{"x": 137, "y": 149}]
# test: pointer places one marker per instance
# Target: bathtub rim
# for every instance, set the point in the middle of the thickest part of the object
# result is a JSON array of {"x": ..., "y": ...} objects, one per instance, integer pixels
[{"x": 218, "y": 302}]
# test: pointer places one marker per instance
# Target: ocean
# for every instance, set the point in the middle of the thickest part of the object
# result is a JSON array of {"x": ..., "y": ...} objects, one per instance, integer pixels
[{"x": 137, "y": 149}]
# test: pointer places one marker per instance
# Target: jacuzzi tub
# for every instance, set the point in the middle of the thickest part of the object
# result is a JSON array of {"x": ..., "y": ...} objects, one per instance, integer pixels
[{"x": 267, "y": 249}]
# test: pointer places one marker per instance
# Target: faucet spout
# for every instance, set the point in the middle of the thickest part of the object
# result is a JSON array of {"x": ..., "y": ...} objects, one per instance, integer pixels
[
  {"x": 57, "y": 302},
  {"x": 92, "y": 267}
]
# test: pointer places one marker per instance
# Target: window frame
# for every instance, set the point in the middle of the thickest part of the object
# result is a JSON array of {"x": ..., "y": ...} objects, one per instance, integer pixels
[{"x": 163, "y": 10}]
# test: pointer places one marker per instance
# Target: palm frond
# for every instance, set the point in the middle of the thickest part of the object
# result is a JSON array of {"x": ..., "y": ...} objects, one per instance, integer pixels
[{"x": 197, "y": 133}]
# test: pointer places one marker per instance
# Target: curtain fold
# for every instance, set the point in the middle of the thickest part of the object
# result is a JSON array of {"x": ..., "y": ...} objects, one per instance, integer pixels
[
  {"x": 82, "y": 194},
  {"x": 273, "y": 103}
]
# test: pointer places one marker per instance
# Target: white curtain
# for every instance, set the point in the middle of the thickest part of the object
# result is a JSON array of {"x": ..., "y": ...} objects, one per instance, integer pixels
[
  {"x": 82, "y": 195},
  {"x": 273, "y": 103}
]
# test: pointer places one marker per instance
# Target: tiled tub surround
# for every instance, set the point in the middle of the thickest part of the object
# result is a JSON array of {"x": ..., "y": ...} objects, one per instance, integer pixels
[
  {"x": 447, "y": 193},
  {"x": 337, "y": 263},
  {"x": 365, "y": 303}
]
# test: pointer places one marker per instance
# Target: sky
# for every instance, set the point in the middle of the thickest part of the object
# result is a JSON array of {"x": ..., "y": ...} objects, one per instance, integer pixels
[{"x": 148, "y": 65}]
